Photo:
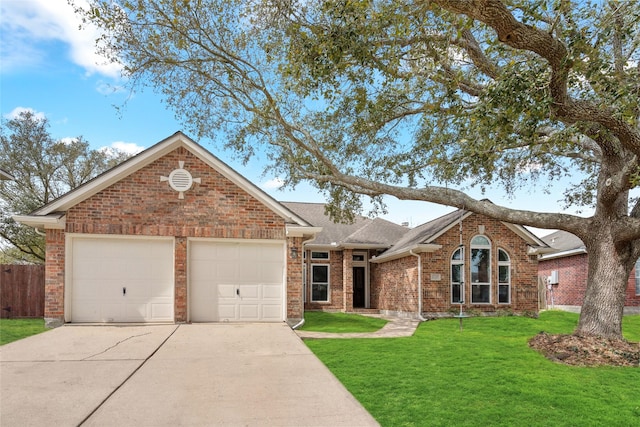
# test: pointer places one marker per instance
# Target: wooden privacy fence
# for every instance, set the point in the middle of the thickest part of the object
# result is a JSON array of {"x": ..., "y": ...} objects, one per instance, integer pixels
[{"x": 21, "y": 290}]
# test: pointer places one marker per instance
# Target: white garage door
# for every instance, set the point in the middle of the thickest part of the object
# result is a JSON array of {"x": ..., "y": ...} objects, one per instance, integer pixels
[
  {"x": 122, "y": 280},
  {"x": 236, "y": 281}
]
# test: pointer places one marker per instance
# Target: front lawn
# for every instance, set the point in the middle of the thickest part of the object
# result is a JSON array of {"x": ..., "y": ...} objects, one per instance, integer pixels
[
  {"x": 484, "y": 375},
  {"x": 15, "y": 329},
  {"x": 319, "y": 321}
]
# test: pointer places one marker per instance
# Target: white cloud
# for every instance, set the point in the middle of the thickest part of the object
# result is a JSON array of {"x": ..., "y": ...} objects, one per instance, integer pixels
[
  {"x": 127, "y": 147},
  {"x": 27, "y": 25},
  {"x": 16, "y": 112},
  {"x": 274, "y": 183}
]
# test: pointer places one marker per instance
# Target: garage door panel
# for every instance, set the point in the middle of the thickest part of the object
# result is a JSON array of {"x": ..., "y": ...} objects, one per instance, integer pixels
[
  {"x": 103, "y": 267},
  {"x": 239, "y": 272},
  {"x": 249, "y": 312},
  {"x": 271, "y": 311},
  {"x": 271, "y": 291},
  {"x": 247, "y": 292}
]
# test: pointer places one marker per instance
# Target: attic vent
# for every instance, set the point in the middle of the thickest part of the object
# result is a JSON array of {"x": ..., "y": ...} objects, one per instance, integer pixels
[{"x": 180, "y": 180}]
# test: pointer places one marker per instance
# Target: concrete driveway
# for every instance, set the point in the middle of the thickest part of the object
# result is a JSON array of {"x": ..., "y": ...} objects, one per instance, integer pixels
[{"x": 171, "y": 375}]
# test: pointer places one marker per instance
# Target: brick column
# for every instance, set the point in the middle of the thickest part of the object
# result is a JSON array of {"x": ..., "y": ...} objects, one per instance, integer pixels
[
  {"x": 54, "y": 278},
  {"x": 180, "y": 267},
  {"x": 294, "y": 288}
]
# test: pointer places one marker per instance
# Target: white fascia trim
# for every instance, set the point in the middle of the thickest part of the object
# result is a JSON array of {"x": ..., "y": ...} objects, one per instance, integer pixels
[
  {"x": 244, "y": 183},
  {"x": 526, "y": 235},
  {"x": 155, "y": 152},
  {"x": 55, "y": 222},
  {"x": 301, "y": 231},
  {"x": 415, "y": 249},
  {"x": 112, "y": 176},
  {"x": 364, "y": 246},
  {"x": 563, "y": 254}
]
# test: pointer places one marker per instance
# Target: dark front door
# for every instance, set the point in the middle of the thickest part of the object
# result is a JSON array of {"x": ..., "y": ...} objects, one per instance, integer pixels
[{"x": 358, "y": 287}]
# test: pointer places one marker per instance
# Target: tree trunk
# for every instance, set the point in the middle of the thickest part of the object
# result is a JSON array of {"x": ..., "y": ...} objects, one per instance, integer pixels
[{"x": 608, "y": 275}]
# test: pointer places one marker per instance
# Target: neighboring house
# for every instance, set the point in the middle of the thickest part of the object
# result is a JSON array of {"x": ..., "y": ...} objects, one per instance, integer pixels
[
  {"x": 459, "y": 258},
  {"x": 174, "y": 234},
  {"x": 5, "y": 176},
  {"x": 566, "y": 272}
]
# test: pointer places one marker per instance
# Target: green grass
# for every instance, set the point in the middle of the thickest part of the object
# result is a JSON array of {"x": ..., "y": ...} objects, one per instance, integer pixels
[
  {"x": 319, "y": 321},
  {"x": 484, "y": 375},
  {"x": 16, "y": 329}
]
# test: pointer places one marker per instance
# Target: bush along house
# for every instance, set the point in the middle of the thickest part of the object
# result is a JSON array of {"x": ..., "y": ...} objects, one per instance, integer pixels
[{"x": 174, "y": 234}]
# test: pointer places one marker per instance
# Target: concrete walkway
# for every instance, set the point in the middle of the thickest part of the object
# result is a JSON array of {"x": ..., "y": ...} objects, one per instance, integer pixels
[{"x": 396, "y": 327}]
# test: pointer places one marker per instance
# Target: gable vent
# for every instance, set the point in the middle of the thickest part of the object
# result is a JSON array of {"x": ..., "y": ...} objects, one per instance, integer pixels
[{"x": 180, "y": 180}]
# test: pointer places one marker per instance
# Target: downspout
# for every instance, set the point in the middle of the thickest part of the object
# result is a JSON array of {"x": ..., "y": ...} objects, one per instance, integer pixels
[
  {"x": 301, "y": 322},
  {"x": 422, "y": 319}
]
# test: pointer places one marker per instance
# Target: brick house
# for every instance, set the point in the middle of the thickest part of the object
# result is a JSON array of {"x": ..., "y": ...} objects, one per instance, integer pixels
[
  {"x": 173, "y": 234},
  {"x": 565, "y": 270},
  {"x": 377, "y": 265}
]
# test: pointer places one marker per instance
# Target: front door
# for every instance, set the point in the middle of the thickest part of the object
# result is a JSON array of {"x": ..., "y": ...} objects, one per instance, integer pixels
[{"x": 359, "y": 287}]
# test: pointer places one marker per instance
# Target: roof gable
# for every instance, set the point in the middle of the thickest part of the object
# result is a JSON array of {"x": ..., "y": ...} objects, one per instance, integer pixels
[
  {"x": 422, "y": 238},
  {"x": 146, "y": 157}
]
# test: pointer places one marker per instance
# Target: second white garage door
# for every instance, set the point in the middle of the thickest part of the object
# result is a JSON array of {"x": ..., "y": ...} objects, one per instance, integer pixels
[{"x": 236, "y": 281}]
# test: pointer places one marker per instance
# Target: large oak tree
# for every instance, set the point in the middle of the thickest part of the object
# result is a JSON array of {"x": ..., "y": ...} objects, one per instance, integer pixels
[{"x": 415, "y": 99}]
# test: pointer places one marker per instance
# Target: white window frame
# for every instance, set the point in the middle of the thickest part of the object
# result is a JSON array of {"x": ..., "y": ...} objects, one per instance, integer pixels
[
  {"x": 327, "y": 283},
  {"x": 321, "y": 258},
  {"x": 476, "y": 284},
  {"x": 460, "y": 263},
  {"x": 506, "y": 284},
  {"x": 304, "y": 282}
]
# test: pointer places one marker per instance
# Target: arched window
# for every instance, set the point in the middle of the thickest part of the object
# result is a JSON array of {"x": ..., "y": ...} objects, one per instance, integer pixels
[
  {"x": 480, "y": 270},
  {"x": 457, "y": 276},
  {"x": 504, "y": 277}
]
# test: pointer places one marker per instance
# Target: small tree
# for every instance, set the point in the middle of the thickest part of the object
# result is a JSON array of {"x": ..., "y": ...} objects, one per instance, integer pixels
[
  {"x": 44, "y": 169},
  {"x": 415, "y": 99}
]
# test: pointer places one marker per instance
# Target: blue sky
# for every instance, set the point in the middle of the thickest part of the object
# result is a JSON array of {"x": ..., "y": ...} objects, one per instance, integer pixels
[{"x": 48, "y": 66}]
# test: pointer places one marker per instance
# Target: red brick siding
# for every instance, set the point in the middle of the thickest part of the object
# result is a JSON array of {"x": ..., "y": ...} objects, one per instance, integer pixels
[
  {"x": 54, "y": 275},
  {"x": 142, "y": 205},
  {"x": 295, "y": 304},
  {"x": 394, "y": 285},
  {"x": 631, "y": 298},
  {"x": 572, "y": 278}
]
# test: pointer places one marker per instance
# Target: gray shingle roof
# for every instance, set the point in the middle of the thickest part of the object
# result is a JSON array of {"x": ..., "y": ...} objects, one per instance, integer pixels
[
  {"x": 427, "y": 232},
  {"x": 363, "y": 231},
  {"x": 563, "y": 241}
]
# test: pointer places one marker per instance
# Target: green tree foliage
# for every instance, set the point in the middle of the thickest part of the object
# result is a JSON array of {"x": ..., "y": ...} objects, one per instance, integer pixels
[
  {"x": 417, "y": 99},
  {"x": 44, "y": 169}
]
